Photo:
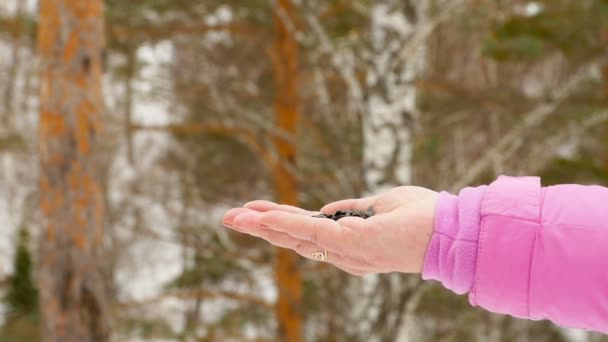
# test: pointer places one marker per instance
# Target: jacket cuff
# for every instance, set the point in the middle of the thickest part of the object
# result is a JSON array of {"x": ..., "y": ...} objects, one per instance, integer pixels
[{"x": 451, "y": 255}]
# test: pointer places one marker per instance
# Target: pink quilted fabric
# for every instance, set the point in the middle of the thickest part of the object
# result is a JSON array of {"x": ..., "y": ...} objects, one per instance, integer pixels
[{"x": 531, "y": 252}]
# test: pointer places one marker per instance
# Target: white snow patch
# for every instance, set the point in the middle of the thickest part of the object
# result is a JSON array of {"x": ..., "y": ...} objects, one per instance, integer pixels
[{"x": 533, "y": 8}]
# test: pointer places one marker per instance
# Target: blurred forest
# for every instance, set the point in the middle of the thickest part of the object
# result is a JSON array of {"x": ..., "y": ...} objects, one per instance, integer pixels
[{"x": 127, "y": 128}]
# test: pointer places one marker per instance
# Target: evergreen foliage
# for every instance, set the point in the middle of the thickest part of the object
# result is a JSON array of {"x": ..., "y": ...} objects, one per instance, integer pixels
[
  {"x": 21, "y": 299},
  {"x": 22, "y": 295}
]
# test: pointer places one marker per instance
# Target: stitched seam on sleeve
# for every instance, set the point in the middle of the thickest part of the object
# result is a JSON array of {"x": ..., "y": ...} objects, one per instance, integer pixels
[
  {"x": 479, "y": 251},
  {"x": 530, "y": 268},
  {"x": 482, "y": 221},
  {"x": 482, "y": 224},
  {"x": 541, "y": 200},
  {"x": 601, "y": 229},
  {"x": 512, "y": 218},
  {"x": 481, "y": 241},
  {"x": 543, "y": 194},
  {"x": 455, "y": 239}
]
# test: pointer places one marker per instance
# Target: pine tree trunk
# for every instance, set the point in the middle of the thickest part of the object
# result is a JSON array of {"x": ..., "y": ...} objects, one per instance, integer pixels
[
  {"x": 73, "y": 297},
  {"x": 287, "y": 273}
]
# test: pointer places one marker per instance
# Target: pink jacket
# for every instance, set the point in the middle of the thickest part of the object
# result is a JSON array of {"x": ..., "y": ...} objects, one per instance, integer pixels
[{"x": 531, "y": 252}]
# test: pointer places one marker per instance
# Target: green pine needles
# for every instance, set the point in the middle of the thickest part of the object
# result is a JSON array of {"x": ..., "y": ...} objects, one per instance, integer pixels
[{"x": 22, "y": 295}]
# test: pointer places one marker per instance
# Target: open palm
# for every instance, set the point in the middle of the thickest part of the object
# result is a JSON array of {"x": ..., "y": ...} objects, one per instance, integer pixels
[{"x": 393, "y": 240}]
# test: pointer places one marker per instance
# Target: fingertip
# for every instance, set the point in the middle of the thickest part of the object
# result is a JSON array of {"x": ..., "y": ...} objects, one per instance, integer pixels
[
  {"x": 261, "y": 205},
  {"x": 280, "y": 220},
  {"x": 274, "y": 217},
  {"x": 350, "y": 204},
  {"x": 230, "y": 215},
  {"x": 266, "y": 206},
  {"x": 246, "y": 220},
  {"x": 331, "y": 207}
]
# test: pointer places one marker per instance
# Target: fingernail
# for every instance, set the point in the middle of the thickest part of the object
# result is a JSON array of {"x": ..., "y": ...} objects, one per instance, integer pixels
[{"x": 230, "y": 225}]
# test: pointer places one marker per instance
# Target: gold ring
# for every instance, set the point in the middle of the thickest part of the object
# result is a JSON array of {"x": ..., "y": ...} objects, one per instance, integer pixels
[{"x": 320, "y": 256}]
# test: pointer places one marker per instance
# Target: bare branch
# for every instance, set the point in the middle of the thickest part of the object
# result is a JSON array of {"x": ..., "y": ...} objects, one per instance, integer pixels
[
  {"x": 4, "y": 282},
  {"x": 424, "y": 30},
  {"x": 199, "y": 294},
  {"x": 247, "y": 135},
  {"x": 501, "y": 150},
  {"x": 343, "y": 61},
  {"x": 548, "y": 150},
  {"x": 157, "y": 32},
  {"x": 407, "y": 319},
  {"x": 191, "y": 128}
]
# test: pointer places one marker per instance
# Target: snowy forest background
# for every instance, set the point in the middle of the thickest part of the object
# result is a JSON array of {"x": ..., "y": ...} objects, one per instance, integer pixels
[{"x": 209, "y": 104}]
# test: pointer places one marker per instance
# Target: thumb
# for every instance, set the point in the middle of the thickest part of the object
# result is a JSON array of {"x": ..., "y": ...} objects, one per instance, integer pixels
[{"x": 350, "y": 204}]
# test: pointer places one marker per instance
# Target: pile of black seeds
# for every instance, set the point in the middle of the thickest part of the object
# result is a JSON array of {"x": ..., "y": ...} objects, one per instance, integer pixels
[{"x": 348, "y": 213}]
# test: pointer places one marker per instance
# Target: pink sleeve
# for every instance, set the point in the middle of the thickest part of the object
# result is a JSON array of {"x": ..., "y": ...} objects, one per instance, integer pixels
[{"x": 527, "y": 251}]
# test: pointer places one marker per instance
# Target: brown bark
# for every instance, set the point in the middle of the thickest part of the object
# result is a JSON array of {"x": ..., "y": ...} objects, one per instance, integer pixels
[
  {"x": 73, "y": 297},
  {"x": 285, "y": 63}
]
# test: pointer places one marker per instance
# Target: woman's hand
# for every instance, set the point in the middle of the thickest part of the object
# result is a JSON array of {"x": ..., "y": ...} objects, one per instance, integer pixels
[{"x": 393, "y": 240}]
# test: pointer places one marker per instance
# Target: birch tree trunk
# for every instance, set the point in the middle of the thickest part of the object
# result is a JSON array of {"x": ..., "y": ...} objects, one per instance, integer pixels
[
  {"x": 73, "y": 297},
  {"x": 388, "y": 131},
  {"x": 286, "y": 70},
  {"x": 14, "y": 69},
  {"x": 391, "y": 94}
]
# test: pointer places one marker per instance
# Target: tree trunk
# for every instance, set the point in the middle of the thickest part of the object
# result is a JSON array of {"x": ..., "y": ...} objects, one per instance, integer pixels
[
  {"x": 73, "y": 295},
  {"x": 388, "y": 132},
  {"x": 287, "y": 273},
  {"x": 9, "y": 102},
  {"x": 392, "y": 95}
]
